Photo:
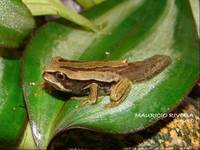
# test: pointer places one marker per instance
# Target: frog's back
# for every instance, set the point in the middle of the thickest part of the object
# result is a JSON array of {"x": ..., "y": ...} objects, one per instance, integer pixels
[
  {"x": 102, "y": 71},
  {"x": 110, "y": 71},
  {"x": 146, "y": 69}
]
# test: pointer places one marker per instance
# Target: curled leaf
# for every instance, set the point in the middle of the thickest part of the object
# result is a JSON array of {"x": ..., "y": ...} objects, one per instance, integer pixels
[{"x": 55, "y": 7}]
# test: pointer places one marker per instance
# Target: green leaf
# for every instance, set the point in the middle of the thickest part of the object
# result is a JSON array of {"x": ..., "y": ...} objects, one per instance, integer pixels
[
  {"x": 133, "y": 30},
  {"x": 15, "y": 23},
  {"x": 89, "y": 3},
  {"x": 55, "y": 7},
  {"x": 13, "y": 115}
]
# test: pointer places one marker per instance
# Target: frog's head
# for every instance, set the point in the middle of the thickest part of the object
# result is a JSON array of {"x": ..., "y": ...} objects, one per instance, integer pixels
[{"x": 55, "y": 76}]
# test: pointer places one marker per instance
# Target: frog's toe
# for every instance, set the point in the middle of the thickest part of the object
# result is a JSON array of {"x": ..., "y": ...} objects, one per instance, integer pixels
[
  {"x": 112, "y": 104},
  {"x": 85, "y": 102}
]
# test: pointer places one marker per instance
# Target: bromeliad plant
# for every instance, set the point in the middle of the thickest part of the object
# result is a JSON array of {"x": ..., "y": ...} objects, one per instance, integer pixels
[{"x": 112, "y": 30}]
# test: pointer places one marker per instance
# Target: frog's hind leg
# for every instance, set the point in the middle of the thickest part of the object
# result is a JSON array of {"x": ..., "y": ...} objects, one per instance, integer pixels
[
  {"x": 119, "y": 92},
  {"x": 93, "y": 95}
]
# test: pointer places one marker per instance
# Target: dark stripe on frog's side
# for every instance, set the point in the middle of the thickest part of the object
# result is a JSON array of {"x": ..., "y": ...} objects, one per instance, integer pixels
[
  {"x": 102, "y": 69},
  {"x": 89, "y": 64},
  {"x": 77, "y": 86}
]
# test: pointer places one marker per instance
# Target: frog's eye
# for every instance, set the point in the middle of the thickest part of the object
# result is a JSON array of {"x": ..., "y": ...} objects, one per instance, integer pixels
[{"x": 60, "y": 76}]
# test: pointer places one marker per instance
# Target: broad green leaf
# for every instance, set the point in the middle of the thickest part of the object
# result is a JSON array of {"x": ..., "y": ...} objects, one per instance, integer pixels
[
  {"x": 13, "y": 115},
  {"x": 133, "y": 30},
  {"x": 15, "y": 23},
  {"x": 89, "y": 3},
  {"x": 55, "y": 7}
]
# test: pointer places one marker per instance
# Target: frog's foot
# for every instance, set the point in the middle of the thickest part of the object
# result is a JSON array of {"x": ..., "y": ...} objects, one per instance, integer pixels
[
  {"x": 112, "y": 104},
  {"x": 119, "y": 92},
  {"x": 92, "y": 96},
  {"x": 84, "y": 102}
]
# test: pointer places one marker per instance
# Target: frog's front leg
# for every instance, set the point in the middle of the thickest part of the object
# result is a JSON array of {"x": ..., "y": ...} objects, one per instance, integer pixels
[
  {"x": 93, "y": 94},
  {"x": 119, "y": 92}
]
